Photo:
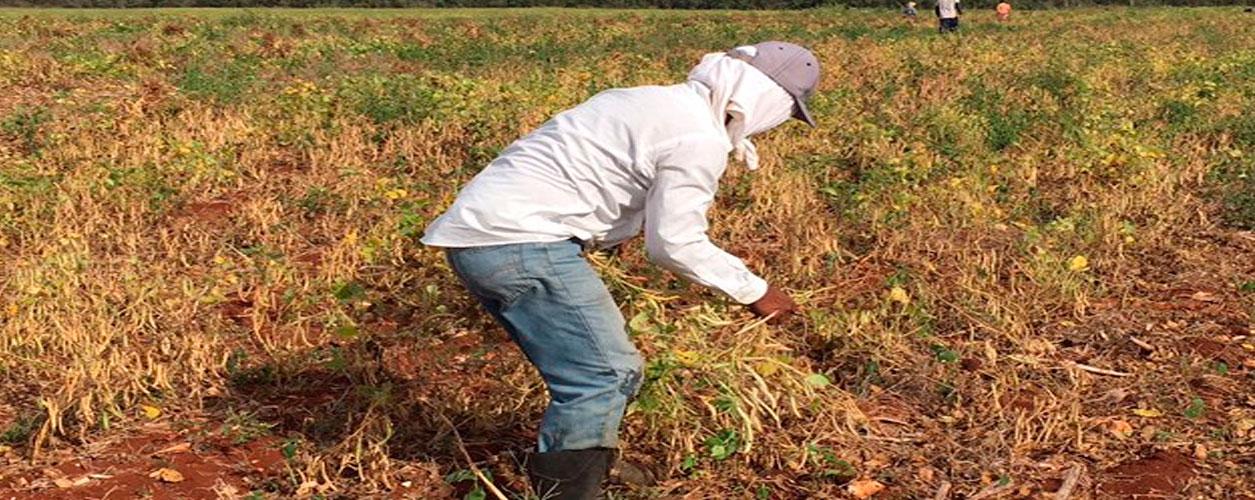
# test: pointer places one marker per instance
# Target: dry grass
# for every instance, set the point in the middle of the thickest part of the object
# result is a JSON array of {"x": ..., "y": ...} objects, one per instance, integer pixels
[{"x": 214, "y": 214}]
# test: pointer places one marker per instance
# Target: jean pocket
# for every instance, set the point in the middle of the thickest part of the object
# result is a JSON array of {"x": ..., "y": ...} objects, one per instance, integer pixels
[{"x": 495, "y": 275}]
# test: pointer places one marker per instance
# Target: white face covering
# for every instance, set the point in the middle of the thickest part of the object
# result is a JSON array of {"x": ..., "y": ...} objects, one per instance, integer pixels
[{"x": 755, "y": 102}]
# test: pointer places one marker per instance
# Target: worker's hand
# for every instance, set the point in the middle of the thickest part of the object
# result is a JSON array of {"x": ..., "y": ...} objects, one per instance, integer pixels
[{"x": 774, "y": 302}]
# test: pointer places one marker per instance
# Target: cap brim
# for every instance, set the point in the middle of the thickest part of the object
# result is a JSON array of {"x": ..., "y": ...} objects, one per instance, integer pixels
[{"x": 801, "y": 112}]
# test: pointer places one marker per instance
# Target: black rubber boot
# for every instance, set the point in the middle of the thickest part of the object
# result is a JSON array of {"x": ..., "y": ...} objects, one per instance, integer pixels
[{"x": 570, "y": 474}]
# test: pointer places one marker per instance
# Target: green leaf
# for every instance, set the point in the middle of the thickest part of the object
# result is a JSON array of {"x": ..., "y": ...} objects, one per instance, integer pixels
[
  {"x": 459, "y": 475},
  {"x": 476, "y": 494},
  {"x": 818, "y": 380},
  {"x": 346, "y": 332},
  {"x": 689, "y": 463},
  {"x": 723, "y": 445},
  {"x": 289, "y": 449},
  {"x": 1197, "y": 406},
  {"x": 348, "y": 291},
  {"x": 640, "y": 322},
  {"x": 944, "y": 355},
  {"x": 725, "y": 403}
]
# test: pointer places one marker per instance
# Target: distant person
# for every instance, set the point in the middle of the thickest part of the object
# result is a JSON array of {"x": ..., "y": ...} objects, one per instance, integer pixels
[
  {"x": 1004, "y": 12},
  {"x": 909, "y": 12},
  {"x": 948, "y": 15},
  {"x": 625, "y": 161}
]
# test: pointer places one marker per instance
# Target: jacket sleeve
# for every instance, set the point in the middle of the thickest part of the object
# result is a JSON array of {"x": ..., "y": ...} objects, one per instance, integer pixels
[{"x": 675, "y": 229}]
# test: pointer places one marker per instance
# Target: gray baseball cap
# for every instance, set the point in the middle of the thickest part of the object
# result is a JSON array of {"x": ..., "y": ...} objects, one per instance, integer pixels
[{"x": 792, "y": 67}]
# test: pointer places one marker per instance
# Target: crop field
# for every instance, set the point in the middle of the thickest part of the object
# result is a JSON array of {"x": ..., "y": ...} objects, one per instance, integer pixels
[{"x": 1024, "y": 253}]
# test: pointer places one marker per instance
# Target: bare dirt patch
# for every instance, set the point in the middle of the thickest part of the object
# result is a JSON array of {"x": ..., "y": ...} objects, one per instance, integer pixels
[
  {"x": 1160, "y": 475},
  {"x": 205, "y": 468}
]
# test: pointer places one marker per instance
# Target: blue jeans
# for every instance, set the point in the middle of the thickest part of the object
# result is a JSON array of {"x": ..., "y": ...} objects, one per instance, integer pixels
[{"x": 556, "y": 308}]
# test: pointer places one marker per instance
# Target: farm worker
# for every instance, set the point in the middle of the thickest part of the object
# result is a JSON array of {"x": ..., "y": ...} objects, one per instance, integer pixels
[
  {"x": 909, "y": 12},
  {"x": 948, "y": 15},
  {"x": 591, "y": 178},
  {"x": 1004, "y": 12}
]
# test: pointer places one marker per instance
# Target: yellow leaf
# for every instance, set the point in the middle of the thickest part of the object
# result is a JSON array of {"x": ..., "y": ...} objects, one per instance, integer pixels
[
  {"x": 1148, "y": 412},
  {"x": 686, "y": 357},
  {"x": 1079, "y": 263},
  {"x": 150, "y": 412},
  {"x": 766, "y": 368},
  {"x": 864, "y": 488},
  {"x": 897, "y": 294},
  {"x": 1243, "y": 426},
  {"x": 167, "y": 475}
]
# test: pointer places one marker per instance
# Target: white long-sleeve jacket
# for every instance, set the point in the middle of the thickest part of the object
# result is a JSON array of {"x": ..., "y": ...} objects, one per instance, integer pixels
[{"x": 646, "y": 157}]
